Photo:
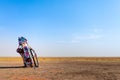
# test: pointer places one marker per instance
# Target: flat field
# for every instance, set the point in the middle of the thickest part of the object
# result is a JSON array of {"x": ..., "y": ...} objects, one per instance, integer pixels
[{"x": 64, "y": 68}]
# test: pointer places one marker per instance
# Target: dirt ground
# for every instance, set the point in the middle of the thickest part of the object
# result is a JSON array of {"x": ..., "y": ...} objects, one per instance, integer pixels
[{"x": 61, "y": 70}]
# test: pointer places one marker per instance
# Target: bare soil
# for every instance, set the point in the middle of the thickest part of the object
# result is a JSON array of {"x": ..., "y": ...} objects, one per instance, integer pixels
[{"x": 12, "y": 69}]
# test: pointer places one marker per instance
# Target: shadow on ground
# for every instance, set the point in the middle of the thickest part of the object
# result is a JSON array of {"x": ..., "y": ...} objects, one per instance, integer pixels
[{"x": 11, "y": 67}]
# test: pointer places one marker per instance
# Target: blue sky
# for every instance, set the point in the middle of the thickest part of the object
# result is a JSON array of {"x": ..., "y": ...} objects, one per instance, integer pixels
[{"x": 61, "y": 27}]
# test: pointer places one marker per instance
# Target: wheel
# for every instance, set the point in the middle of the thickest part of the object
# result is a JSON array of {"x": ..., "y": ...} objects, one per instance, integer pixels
[{"x": 34, "y": 58}]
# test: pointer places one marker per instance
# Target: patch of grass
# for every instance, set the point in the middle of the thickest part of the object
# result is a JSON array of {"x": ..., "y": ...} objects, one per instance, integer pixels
[{"x": 65, "y": 59}]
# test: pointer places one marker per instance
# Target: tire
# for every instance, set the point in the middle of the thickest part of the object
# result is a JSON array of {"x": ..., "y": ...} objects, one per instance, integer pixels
[{"x": 34, "y": 58}]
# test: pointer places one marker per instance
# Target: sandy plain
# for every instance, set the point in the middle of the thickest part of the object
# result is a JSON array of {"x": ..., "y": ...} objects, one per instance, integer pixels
[{"x": 64, "y": 68}]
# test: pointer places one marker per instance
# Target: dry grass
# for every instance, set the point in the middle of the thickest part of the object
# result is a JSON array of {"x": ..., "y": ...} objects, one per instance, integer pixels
[
  {"x": 80, "y": 59},
  {"x": 65, "y": 59},
  {"x": 66, "y": 68}
]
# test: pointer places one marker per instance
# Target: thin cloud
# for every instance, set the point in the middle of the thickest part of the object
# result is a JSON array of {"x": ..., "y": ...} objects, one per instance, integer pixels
[
  {"x": 93, "y": 34},
  {"x": 97, "y": 30},
  {"x": 87, "y": 37},
  {"x": 94, "y": 37}
]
